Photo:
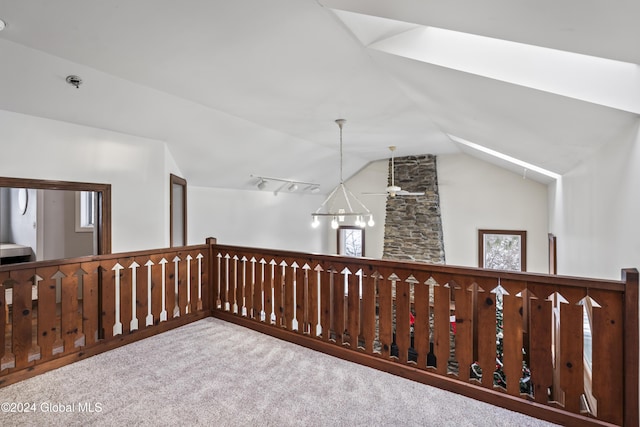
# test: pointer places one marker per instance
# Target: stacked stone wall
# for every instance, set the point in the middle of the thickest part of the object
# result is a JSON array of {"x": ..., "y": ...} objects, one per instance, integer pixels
[{"x": 413, "y": 227}]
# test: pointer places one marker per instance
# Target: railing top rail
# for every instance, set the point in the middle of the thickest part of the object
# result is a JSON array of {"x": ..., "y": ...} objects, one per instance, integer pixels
[
  {"x": 92, "y": 258},
  {"x": 611, "y": 285}
]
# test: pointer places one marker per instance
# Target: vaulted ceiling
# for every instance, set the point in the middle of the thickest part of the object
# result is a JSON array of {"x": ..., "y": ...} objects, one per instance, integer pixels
[{"x": 252, "y": 87}]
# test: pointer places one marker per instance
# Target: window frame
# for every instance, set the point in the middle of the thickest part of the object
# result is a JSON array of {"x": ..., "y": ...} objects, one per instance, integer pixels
[
  {"x": 523, "y": 245},
  {"x": 340, "y": 243}
]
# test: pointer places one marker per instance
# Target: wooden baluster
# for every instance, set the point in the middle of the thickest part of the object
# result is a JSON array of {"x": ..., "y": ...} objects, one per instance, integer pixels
[
  {"x": 219, "y": 275},
  {"x": 261, "y": 294},
  {"x": 571, "y": 337},
  {"x": 326, "y": 286},
  {"x": 241, "y": 286},
  {"x": 512, "y": 331},
  {"x": 464, "y": 325},
  {"x": 108, "y": 297},
  {"x": 46, "y": 311},
  {"x": 278, "y": 285},
  {"x": 172, "y": 281},
  {"x": 126, "y": 298},
  {"x": 134, "y": 285},
  {"x": 486, "y": 339},
  {"x": 540, "y": 340},
  {"x": 442, "y": 325},
  {"x": 90, "y": 312},
  {"x": 70, "y": 314},
  {"x": 226, "y": 277},
  {"x": 22, "y": 316},
  {"x": 190, "y": 285},
  {"x": 338, "y": 304},
  {"x": 608, "y": 351},
  {"x": 235, "y": 285},
  {"x": 256, "y": 283},
  {"x": 251, "y": 287},
  {"x": 385, "y": 313},
  {"x": 402, "y": 319},
  {"x": 421, "y": 327},
  {"x": 314, "y": 300},
  {"x": 205, "y": 283},
  {"x": 269, "y": 291},
  {"x": 301, "y": 302},
  {"x": 353, "y": 309},
  {"x": 289, "y": 272},
  {"x": 156, "y": 287},
  {"x": 368, "y": 311},
  {"x": 139, "y": 299}
]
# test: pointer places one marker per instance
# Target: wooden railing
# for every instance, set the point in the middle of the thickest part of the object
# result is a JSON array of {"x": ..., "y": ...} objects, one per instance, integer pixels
[
  {"x": 516, "y": 340},
  {"x": 557, "y": 348},
  {"x": 56, "y": 312}
]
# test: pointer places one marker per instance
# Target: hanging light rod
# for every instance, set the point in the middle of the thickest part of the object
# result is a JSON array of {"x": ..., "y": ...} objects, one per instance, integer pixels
[
  {"x": 346, "y": 199},
  {"x": 290, "y": 184}
]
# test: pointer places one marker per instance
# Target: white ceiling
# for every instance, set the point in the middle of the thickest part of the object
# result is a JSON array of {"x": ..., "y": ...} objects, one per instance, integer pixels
[{"x": 246, "y": 87}]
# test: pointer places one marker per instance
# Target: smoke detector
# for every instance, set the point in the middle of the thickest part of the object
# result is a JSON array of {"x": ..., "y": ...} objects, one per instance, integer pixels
[{"x": 74, "y": 81}]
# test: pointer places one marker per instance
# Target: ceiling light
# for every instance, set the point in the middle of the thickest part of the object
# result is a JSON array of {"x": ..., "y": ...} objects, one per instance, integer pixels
[
  {"x": 2, "y": 25},
  {"x": 289, "y": 184},
  {"x": 344, "y": 198}
]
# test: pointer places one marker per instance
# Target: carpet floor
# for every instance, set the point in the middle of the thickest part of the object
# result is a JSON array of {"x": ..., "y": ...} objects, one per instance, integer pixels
[{"x": 216, "y": 373}]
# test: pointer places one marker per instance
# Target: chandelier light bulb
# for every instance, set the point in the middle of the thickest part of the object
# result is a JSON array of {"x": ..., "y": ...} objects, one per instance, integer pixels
[
  {"x": 334, "y": 223},
  {"x": 315, "y": 222},
  {"x": 371, "y": 223}
]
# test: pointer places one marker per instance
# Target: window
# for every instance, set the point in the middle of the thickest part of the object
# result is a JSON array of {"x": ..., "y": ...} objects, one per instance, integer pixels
[
  {"x": 350, "y": 241},
  {"x": 178, "y": 211},
  {"x": 85, "y": 211},
  {"x": 502, "y": 250}
]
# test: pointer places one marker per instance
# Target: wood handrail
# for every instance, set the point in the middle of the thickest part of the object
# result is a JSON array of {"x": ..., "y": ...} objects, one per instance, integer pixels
[{"x": 580, "y": 282}]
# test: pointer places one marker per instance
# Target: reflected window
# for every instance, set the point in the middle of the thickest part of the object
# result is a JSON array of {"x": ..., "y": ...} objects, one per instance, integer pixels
[{"x": 85, "y": 211}]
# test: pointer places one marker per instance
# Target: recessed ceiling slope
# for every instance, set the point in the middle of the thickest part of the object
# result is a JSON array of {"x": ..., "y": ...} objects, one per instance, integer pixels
[
  {"x": 595, "y": 28},
  {"x": 601, "y": 81}
]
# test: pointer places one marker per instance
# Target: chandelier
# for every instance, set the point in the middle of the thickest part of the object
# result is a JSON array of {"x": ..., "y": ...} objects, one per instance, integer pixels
[{"x": 342, "y": 203}]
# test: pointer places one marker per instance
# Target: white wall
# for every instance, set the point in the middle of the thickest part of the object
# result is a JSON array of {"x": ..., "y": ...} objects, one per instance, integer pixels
[
  {"x": 478, "y": 195},
  {"x": 135, "y": 167},
  {"x": 255, "y": 219},
  {"x": 595, "y": 211},
  {"x": 473, "y": 195}
]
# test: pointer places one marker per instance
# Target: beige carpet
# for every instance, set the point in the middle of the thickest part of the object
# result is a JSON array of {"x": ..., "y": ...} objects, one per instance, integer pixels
[{"x": 219, "y": 374}]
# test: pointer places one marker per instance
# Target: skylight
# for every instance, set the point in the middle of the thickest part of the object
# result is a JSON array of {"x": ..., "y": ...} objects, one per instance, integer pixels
[
  {"x": 607, "y": 82},
  {"x": 502, "y": 156}
]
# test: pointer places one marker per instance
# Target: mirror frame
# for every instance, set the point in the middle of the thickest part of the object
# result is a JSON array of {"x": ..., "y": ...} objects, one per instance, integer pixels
[{"x": 103, "y": 221}]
